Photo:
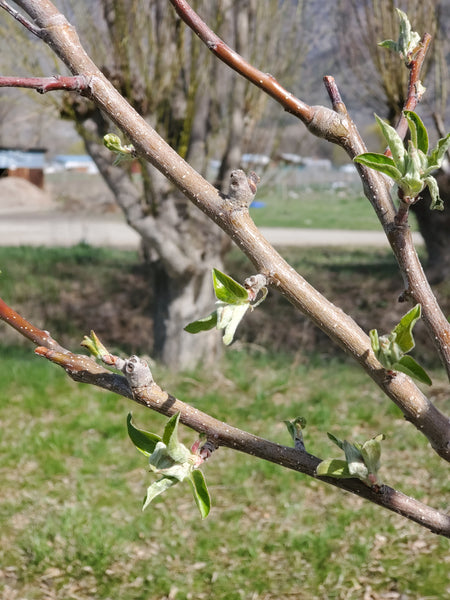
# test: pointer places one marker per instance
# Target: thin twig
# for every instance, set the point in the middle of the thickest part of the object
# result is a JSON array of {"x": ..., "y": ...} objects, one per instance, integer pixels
[
  {"x": 74, "y": 83},
  {"x": 37, "y": 31},
  {"x": 40, "y": 337},
  {"x": 262, "y": 80},
  {"x": 415, "y": 88}
]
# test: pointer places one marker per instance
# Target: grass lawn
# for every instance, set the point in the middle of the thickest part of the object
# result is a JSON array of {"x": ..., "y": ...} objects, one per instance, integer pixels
[
  {"x": 315, "y": 205},
  {"x": 72, "y": 484}
]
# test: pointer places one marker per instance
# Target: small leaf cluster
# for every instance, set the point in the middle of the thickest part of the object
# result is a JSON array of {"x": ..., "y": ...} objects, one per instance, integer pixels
[
  {"x": 362, "y": 461},
  {"x": 407, "y": 42},
  {"x": 295, "y": 430},
  {"x": 169, "y": 458},
  {"x": 94, "y": 345},
  {"x": 410, "y": 168},
  {"x": 114, "y": 144},
  {"x": 391, "y": 350},
  {"x": 232, "y": 303}
]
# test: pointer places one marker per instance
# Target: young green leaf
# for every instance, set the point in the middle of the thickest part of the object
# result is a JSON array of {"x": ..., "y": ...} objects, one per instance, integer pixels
[
  {"x": 156, "y": 488},
  {"x": 94, "y": 345},
  {"x": 333, "y": 467},
  {"x": 228, "y": 318},
  {"x": 175, "y": 449},
  {"x": 144, "y": 441},
  {"x": 436, "y": 200},
  {"x": 379, "y": 162},
  {"x": 227, "y": 289},
  {"x": 389, "y": 44},
  {"x": 410, "y": 367},
  {"x": 201, "y": 494},
  {"x": 202, "y": 324},
  {"x": 374, "y": 341},
  {"x": 295, "y": 428},
  {"x": 403, "y": 330},
  {"x": 408, "y": 39},
  {"x": 339, "y": 443},
  {"x": 394, "y": 142},
  {"x": 171, "y": 428},
  {"x": 419, "y": 134},
  {"x": 352, "y": 452},
  {"x": 437, "y": 155},
  {"x": 371, "y": 453}
]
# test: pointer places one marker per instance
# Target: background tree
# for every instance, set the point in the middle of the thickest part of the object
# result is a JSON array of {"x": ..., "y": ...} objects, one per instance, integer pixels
[
  {"x": 150, "y": 57},
  {"x": 384, "y": 79}
]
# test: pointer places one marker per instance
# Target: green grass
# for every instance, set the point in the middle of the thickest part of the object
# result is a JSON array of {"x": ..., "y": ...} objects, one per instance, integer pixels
[
  {"x": 71, "y": 525},
  {"x": 73, "y": 485},
  {"x": 315, "y": 206}
]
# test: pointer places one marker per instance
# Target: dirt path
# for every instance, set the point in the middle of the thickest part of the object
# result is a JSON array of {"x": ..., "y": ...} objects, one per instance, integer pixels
[{"x": 63, "y": 229}]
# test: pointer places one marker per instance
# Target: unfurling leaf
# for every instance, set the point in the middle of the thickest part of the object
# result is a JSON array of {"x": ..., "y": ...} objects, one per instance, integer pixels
[
  {"x": 228, "y": 318},
  {"x": 411, "y": 169},
  {"x": 227, "y": 289},
  {"x": 202, "y": 324},
  {"x": 333, "y": 467},
  {"x": 418, "y": 131},
  {"x": 339, "y": 443},
  {"x": 362, "y": 461},
  {"x": 371, "y": 453},
  {"x": 403, "y": 330},
  {"x": 201, "y": 494},
  {"x": 408, "y": 40},
  {"x": 379, "y": 162},
  {"x": 144, "y": 441},
  {"x": 433, "y": 188},
  {"x": 233, "y": 301},
  {"x": 410, "y": 367},
  {"x": 394, "y": 142},
  {"x": 156, "y": 488},
  {"x": 437, "y": 155},
  {"x": 114, "y": 144},
  {"x": 391, "y": 350},
  {"x": 94, "y": 345},
  {"x": 168, "y": 457},
  {"x": 175, "y": 449},
  {"x": 295, "y": 428}
]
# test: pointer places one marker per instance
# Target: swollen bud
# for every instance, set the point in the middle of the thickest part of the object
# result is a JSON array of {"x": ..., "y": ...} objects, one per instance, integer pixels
[{"x": 243, "y": 188}]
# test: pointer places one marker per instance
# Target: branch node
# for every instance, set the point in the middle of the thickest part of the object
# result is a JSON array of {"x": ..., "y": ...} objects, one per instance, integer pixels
[
  {"x": 136, "y": 370},
  {"x": 242, "y": 188},
  {"x": 208, "y": 448}
]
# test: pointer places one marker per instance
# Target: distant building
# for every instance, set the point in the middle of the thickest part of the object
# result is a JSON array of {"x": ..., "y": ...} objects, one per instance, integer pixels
[
  {"x": 24, "y": 163},
  {"x": 82, "y": 163}
]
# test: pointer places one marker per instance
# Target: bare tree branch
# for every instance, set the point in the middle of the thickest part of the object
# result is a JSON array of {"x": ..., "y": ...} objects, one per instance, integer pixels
[
  {"x": 21, "y": 19},
  {"x": 415, "y": 90},
  {"x": 236, "y": 222},
  {"x": 341, "y": 130},
  {"x": 84, "y": 369},
  {"x": 262, "y": 80},
  {"x": 77, "y": 83}
]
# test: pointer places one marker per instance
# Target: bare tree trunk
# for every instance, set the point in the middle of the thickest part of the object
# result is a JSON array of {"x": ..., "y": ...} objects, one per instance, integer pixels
[
  {"x": 181, "y": 301},
  {"x": 181, "y": 246}
]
